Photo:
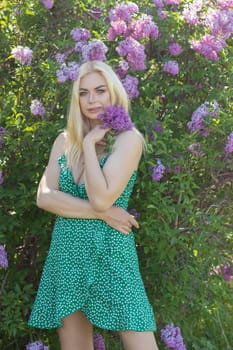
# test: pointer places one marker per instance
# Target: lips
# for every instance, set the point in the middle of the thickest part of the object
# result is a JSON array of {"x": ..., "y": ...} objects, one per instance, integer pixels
[{"x": 95, "y": 110}]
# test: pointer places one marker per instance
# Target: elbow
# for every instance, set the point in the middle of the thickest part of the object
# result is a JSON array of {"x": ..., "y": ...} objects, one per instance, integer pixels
[
  {"x": 100, "y": 205},
  {"x": 41, "y": 201}
]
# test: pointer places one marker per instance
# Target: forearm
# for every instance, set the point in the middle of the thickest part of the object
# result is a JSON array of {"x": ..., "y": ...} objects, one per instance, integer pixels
[
  {"x": 96, "y": 183},
  {"x": 63, "y": 204}
]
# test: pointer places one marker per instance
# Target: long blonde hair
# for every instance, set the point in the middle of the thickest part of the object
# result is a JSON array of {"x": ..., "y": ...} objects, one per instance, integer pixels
[{"x": 77, "y": 126}]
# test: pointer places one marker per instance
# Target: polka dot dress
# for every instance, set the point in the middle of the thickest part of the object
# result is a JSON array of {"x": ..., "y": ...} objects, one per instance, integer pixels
[{"x": 92, "y": 268}]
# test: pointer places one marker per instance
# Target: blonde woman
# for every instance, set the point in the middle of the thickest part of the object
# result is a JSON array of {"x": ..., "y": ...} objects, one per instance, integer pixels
[{"x": 91, "y": 275}]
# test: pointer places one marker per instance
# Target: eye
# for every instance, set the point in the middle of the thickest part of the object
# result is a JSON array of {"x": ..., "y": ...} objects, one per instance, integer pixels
[
  {"x": 82, "y": 93},
  {"x": 100, "y": 91}
]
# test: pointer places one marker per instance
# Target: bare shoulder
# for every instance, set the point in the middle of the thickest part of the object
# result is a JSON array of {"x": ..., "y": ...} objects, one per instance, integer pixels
[
  {"x": 59, "y": 145},
  {"x": 132, "y": 139}
]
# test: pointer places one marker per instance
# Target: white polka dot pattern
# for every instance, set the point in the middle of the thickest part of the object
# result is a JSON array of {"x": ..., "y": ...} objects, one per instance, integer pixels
[{"x": 92, "y": 268}]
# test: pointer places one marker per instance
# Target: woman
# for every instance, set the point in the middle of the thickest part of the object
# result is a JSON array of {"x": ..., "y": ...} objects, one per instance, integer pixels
[{"x": 91, "y": 274}]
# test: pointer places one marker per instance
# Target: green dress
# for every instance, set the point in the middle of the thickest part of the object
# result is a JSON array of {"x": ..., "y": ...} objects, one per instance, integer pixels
[{"x": 93, "y": 268}]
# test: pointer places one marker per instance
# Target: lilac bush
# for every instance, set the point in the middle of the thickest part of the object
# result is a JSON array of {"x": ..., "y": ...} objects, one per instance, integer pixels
[
  {"x": 174, "y": 60},
  {"x": 116, "y": 118}
]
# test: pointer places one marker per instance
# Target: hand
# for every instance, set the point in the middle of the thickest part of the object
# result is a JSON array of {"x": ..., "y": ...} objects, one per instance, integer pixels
[
  {"x": 119, "y": 219},
  {"x": 96, "y": 135}
]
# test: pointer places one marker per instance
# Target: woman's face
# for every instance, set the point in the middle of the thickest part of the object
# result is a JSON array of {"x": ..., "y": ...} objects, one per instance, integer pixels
[{"x": 94, "y": 95}]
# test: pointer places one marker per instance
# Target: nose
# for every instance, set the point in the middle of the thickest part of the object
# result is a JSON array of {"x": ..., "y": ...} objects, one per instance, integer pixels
[{"x": 92, "y": 97}]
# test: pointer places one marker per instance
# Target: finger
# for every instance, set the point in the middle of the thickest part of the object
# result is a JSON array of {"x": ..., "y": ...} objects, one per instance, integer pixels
[{"x": 134, "y": 222}]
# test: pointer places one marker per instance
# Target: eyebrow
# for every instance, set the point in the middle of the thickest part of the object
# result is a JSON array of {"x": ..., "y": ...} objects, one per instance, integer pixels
[{"x": 96, "y": 88}]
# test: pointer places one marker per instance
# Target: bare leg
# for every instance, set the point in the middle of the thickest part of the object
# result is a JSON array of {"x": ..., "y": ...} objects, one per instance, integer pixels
[
  {"x": 138, "y": 340},
  {"x": 76, "y": 333}
]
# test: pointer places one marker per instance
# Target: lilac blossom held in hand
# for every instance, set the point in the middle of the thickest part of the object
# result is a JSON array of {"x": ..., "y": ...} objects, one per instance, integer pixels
[
  {"x": 171, "y": 67},
  {"x": 47, "y": 3},
  {"x": 22, "y": 54},
  {"x": 3, "y": 257},
  {"x": 116, "y": 118},
  {"x": 99, "y": 342},
  {"x": 37, "y": 108},
  {"x": 95, "y": 50},
  {"x": 131, "y": 86},
  {"x": 158, "y": 171},
  {"x": 172, "y": 338},
  {"x": 229, "y": 145}
]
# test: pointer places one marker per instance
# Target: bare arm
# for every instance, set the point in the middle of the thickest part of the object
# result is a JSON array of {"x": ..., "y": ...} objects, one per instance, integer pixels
[
  {"x": 105, "y": 185},
  {"x": 51, "y": 199}
]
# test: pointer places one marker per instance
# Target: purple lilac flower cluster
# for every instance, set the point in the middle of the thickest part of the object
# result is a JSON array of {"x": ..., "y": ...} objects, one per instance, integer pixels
[
  {"x": 175, "y": 49},
  {"x": 171, "y": 67},
  {"x": 22, "y": 54},
  {"x": 47, "y": 3},
  {"x": 37, "y": 108},
  {"x": 135, "y": 213},
  {"x": 37, "y": 345},
  {"x": 99, "y": 342},
  {"x": 158, "y": 171},
  {"x": 218, "y": 22},
  {"x": 88, "y": 50},
  {"x": 172, "y": 337},
  {"x": 3, "y": 257},
  {"x": 2, "y": 133},
  {"x": 116, "y": 118},
  {"x": 199, "y": 116},
  {"x": 229, "y": 145},
  {"x": 162, "y": 4},
  {"x": 225, "y": 270},
  {"x": 122, "y": 23},
  {"x": 131, "y": 86},
  {"x": 67, "y": 72}
]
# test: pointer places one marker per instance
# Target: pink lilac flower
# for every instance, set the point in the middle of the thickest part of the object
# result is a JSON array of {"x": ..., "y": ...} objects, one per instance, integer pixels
[
  {"x": 67, "y": 72},
  {"x": 37, "y": 345},
  {"x": 131, "y": 86},
  {"x": 135, "y": 213},
  {"x": 22, "y": 54},
  {"x": 134, "y": 52},
  {"x": 226, "y": 270},
  {"x": 162, "y": 14},
  {"x": 80, "y": 34},
  {"x": 95, "y": 50},
  {"x": 99, "y": 342},
  {"x": 225, "y": 4},
  {"x": 172, "y": 337},
  {"x": 60, "y": 58},
  {"x": 37, "y": 108},
  {"x": 158, "y": 3},
  {"x": 122, "y": 69},
  {"x": 47, "y": 3},
  {"x": 123, "y": 11},
  {"x": 220, "y": 22},
  {"x": 198, "y": 121},
  {"x": 171, "y": 67},
  {"x": 172, "y": 2},
  {"x": 175, "y": 49},
  {"x": 208, "y": 46},
  {"x": 143, "y": 28},
  {"x": 117, "y": 28},
  {"x": 195, "y": 148},
  {"x": 3, "y": 254},
  {"x": 229, "y": 145},
  {"x": 158, "y": 171},
  {"x": 190, "y": 12},
  {"x": 116, "y": 118}
]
